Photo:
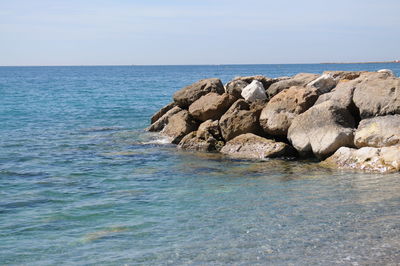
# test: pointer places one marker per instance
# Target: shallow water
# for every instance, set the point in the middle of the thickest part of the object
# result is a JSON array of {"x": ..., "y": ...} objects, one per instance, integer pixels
[{"x": 81, "y": 182}]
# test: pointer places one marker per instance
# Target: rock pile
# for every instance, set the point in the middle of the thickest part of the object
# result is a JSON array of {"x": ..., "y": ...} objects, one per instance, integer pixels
[{"x": 347, "y": 119}]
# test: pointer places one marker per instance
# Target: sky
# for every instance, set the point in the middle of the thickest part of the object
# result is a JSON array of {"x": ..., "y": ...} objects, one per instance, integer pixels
[{"x": 161, "y": 32}]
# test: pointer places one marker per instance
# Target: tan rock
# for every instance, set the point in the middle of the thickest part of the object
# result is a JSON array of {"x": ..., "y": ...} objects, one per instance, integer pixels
[
  {"x": 163, "y": 120},
  {"x": 179, "y": 125},
  {"x": 300, "y": 79},
  {"x": 211, "y": 106},
  {"x": 162, "y": 112}
]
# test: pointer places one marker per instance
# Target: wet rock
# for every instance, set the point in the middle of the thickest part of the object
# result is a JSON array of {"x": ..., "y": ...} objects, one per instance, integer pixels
[
  {"x": 278, "y": 114},
  {"x": 383, "y": 160},
  {"x": 179, "y": 125},
  {"x": 322, "y": 130},
  {"x": 250, "y": 146},
  {"x": 377, "y": 94},
  {"x": 163, "y": 120},
  {"x": 381, "y": 131},
  {"x": 300, "y": 79},
  {"x": 254, "y": 91},
  {"x": 162, "y": 112},
  {"x": 240, "y": 119},
  {"x": 190, "y": 94},
  {"x": 211, "y": 106}
]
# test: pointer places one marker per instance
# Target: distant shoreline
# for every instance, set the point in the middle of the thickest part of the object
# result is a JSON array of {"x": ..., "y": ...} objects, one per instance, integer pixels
[{"x": 372, "y": 62}]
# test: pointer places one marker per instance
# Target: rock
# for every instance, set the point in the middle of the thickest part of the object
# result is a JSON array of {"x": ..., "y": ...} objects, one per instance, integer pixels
[
  {"x": 264, "y": 80},
  {"x": 209, "y": 128},
  {"x": 250, "y": 146},
  {"x": 343, "y": 75},
  {"x": 163, "y": 120},
  {"x": 240, "y": 119},
  {"x": 254, "y": 91},
  {"x": 377, "y": 94},
  {"x": 323, "y": 84},
  {"x": 277, "y": 115},
  {"x": 194, "y": 143},
  {"x": 235, "y": 88},
  {"x": 211, "y": 106},
  {"x": 342, "y": 94},
  {"x": 190, "y": 94},
  {"x": 322, "y": 129},
  {"x": 389, "y": 72},
  {"x": 298, "y": 80},
  {"x": 179, "y": 125},
  {"x": 381, "y": 131},
  {"x": 383, "y": 160},
  {"x": 162, "y": 112}
]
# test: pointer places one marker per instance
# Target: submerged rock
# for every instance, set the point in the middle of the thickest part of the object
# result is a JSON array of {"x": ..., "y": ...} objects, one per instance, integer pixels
[
  {"x": 254, "y": 91},
  {"x": 250, "y": 146},
  {"x": 277, "y": 115},
  {"x": 191, "y": 93},
  {"x": 179, "y": 125},
  {"x": 384, "y": 160},
  {"x": 381, "y": 131},
  {"x": 211, "y": 106},
  {"x": 240, "y": 119},
  {"x": 322, "y": 130}
]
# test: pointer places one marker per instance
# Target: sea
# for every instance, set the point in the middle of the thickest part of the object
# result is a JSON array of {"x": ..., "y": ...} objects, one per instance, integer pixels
[{"x": 83, "y": 183}]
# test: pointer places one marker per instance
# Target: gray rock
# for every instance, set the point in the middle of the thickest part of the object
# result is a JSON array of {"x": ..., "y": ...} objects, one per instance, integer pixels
[
  {"x": 250, "y": 146},
  {"x": 278, "y": 114},
  {"x": 389, "y": 72},
  {"x": 342, "y": 94},
  {"x": 370, "y": 159},
  {"x": 381, "y": 131},
  {"x": 211, "y": 106},
  {"x": 300, "y": 79},
  {"x": 322, "y": 130},
  {"x": 254, "y": 91},
  {"x": 240, "y": 119},
  {"x": 235, "y": 88},
  {"x": 264, "y": 80},
  {"x": 163, "y": 120},
  {"x": 344, "y": 75},
  {"x": 323, "y": 84},
  {"x": 377, "y": 94},
  {"x": 190, "y": 94},
  {"x": 179, "y": 125}
]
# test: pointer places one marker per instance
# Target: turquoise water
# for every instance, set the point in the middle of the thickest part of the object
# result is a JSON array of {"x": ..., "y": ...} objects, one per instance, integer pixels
[{"x": 82, "y": 183}]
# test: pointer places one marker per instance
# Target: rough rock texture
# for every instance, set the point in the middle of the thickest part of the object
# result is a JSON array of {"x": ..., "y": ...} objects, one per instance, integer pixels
[
  {"x": 342, "y": 94},
  {"x": 377, "y": 94},
  {"x": 387, "y": 71},
  {"x": 179, "y": 125},
  {"x": 163, "y": 120},
  {"x": 322, "y": 129},
  {"x": 162, "y": 112},
  {"x": 344, "y": 75},
  {"x": 264, "y": 80},
  {"x": 207, "y": 138},
  {"x": 381, "y": 131},
  {"x": 323, "y": 84},
  {"x": 235, "y": 87},
  {"x": 384, "y": 160},
  {"x": 254, "y": 91},
  {"x": 240, "y": 119},
  {"x": 208, "y": 129},
  {"x": 250, "y": 146},
  {"x": 278, "y": 114},
  {"x": 301, "y": 79},
  {"x": 211, "y": 106},
  {"x": 189, "y": 94}
]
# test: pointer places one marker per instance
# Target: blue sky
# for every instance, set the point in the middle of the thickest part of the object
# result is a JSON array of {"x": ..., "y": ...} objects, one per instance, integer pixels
[{"x": 122, "y": 32}]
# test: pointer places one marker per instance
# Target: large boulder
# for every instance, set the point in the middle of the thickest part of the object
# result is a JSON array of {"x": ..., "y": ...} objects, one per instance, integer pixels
[
  {"x": 250, "y": 146},
  {"x": 254, "y": 91},
  {"x": 278, "y": 114},
  {"x": 264, "y": 80},
  {"x": 322, "y": 129},
  {"x": 211, "y": 106},
  {"x": 323, "y": 84},
  {"x": 240, "y": 119},
  {"x": 191, "y": 93},
  {"x": 387, "y": 71},
  {"x": 179, "y": 125},
  {"x": 235, "y": 87},
  {"x": 300, "y": 79},
  {"x": 163, "y": 120},
  {"x": 378, "y": 132},
  {"x": 342, "y": 94},
  {"x": 383, "y": 160},
  {"x": 206, "y": 138},
  {"x": 377, "y": 94},
  {"x": 162, "y": 112}
]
